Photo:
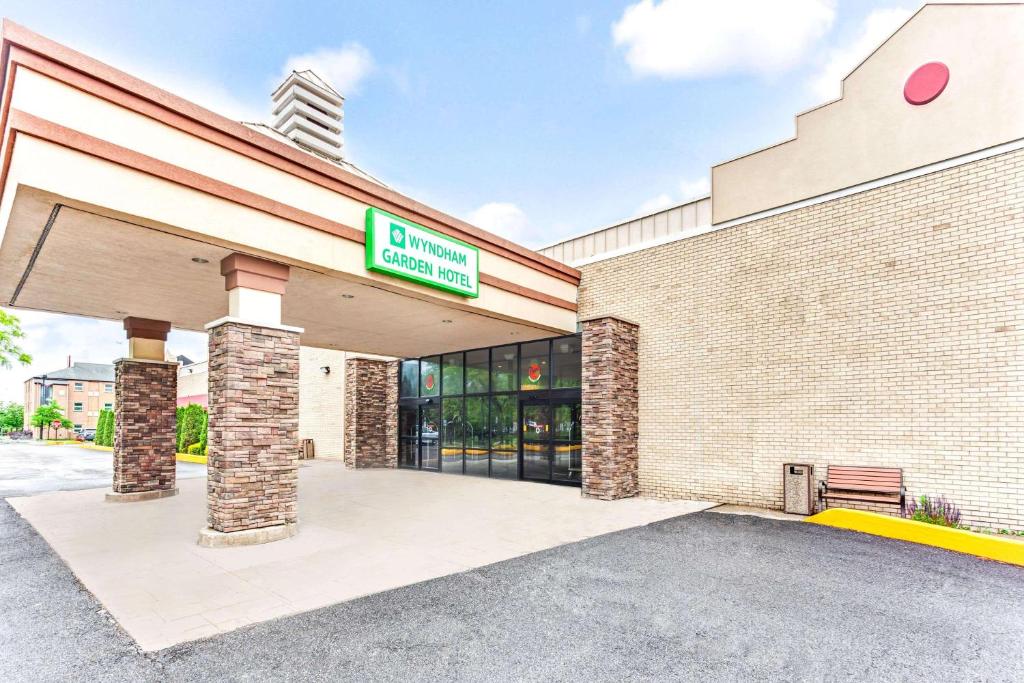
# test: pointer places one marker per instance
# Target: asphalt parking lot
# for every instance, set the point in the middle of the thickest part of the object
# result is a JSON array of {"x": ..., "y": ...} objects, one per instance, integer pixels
[
  {"x": 28, "y": 468},
  {"x": 704, "y": 596}
]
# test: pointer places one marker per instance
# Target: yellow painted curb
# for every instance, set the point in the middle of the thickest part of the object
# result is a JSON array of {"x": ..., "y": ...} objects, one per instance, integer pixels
[
  {"x": 59, "y": 442},
  {"x": 958, "y": 540},
  {"x": 181, "y": 457}
]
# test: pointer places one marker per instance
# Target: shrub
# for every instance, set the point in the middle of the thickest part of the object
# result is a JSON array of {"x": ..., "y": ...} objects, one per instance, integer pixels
[
  {"x": 179, "y": 418},
  {"x": 936, "y": 510},
  {"x": 191, "y": 426},
  {"x": 105, "y": 428},
  {"x": 194, "y": 449}
]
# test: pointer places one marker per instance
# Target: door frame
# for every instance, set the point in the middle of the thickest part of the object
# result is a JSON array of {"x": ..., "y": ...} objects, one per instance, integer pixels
[{"x": 549, "y": 399}]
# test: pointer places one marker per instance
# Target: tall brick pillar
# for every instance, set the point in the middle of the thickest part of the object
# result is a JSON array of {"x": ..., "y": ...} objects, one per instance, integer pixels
[
  {"x": 371, "y": 413},
  {"x": 252, "y": 465},
  {"x": 145, "y": 399},
  {"x": 610, "y": 405}
]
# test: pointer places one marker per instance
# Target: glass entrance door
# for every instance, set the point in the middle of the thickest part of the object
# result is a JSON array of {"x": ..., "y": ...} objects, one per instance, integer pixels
[
  {"x": 552, "y": 440},
  {"x": 567, "y": 442},
  {"x": 536, "y": 430},
  {"x": 418, "y": 436}
]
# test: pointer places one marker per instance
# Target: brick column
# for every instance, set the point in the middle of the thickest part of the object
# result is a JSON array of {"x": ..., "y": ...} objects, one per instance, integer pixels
[
  {"x": 371, "y": 413},
  {"x": 252, "y": 467},
  {"x": 610, "y": 405},
  {"x": 144, "y": 429}
]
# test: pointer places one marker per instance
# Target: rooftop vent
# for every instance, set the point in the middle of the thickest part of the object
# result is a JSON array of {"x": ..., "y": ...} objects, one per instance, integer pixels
[{"x": 310, "y": 113}]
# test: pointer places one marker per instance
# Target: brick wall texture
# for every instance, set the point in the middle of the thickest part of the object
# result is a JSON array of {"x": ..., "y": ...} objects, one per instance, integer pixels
[
  {"x": 321, "y": 412},
  {"x": 610, "y": 398},
  {"x": 252, "y": 473},
  {"x": 371, "y": 413},
  {"x": 144, "y": 425},
  {"x": 882, "y": 328}
]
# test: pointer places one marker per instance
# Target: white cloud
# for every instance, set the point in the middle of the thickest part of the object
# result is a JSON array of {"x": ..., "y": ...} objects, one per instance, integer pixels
[
  {"x": 50, "y": 338},
  {"x": 503, "y": 218},
  {"x": 693, "y": 39},
  {"x": 343, "y": 68},
  {"x": 878, "y": 25},
  {"x": 654, "y": 204},
  {"x": 688, "y": 190},
  {"x": 694, "y": 189}
]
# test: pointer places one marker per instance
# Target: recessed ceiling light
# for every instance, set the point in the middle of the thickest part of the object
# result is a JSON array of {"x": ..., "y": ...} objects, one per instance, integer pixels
[
  {"x": 199, "y": 259},
  {"x": 348, "y": 296}
]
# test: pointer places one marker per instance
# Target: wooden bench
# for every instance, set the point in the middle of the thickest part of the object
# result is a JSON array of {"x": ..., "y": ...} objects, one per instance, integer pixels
[{"x": 882, "y": 485}]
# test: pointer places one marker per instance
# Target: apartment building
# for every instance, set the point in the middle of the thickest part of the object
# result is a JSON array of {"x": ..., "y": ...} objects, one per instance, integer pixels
[{"x": 82, "y": 390}]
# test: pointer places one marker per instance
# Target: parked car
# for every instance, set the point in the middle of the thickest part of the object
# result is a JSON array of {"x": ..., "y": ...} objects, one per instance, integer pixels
[{"x": 89, "y": 434}]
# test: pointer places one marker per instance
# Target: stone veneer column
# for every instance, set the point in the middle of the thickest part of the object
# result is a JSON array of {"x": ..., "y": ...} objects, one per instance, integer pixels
[
  {"x": 253, "y": 461},
  {"x": 144, "y": 434},
  {"x": 145, "y": 402},
  {"x": 252, "y": 467},
  {"x": 371, "y": 413},
  {"x": 610, "y": 405}
]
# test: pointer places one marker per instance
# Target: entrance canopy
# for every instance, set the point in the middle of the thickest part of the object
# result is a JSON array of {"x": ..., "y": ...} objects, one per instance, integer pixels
[{"x": 120, "y": 199}]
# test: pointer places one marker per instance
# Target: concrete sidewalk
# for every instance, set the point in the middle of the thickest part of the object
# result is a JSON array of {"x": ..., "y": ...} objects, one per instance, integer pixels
[{"x": 360, "y": 532}]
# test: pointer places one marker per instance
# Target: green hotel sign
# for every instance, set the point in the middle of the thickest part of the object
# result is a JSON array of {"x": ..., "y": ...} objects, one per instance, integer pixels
[{"x": 407, "y": 250}]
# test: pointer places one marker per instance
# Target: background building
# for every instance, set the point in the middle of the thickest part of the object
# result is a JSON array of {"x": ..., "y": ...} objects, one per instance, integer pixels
[{"x": 82, "y": 390}]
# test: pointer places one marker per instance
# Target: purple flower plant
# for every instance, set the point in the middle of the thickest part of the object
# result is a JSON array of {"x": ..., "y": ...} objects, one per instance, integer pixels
[{"x": 935, "y": 510}]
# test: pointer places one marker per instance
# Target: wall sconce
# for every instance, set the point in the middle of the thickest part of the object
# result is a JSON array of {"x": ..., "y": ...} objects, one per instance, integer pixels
[{"x": 326, "y": 369}]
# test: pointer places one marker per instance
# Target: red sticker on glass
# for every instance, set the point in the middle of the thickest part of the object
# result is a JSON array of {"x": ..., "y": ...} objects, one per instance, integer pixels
[
  {"x": 533, "y": 372},
  {"x": 429, "y": 382}
]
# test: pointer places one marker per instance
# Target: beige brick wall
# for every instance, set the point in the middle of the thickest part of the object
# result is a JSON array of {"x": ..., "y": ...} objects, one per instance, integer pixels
[
  {"x": 322, "y": 400},
  {"x": 882, "y": 328}
]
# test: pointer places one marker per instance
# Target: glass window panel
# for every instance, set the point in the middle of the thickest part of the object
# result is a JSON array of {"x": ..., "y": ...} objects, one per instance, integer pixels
[
  {"x": 567, "y": 422},
  {"x": 430, "y": 376},
  {"x": 504, "y": 436},
  {"x": 568, "y": 446},
  {"x": 451, "y": 422},
  {"x": 407, "y": 421},
  {"x": 536, "y": 441},
  {"x": 503, "y": 368},
  {"x": 430, "y": 419},
  {"x": 568, "y": 462},
  {"x": 534, "y": 371},
  {"x": 477, "y": 370},
  {"x": 407, "y": 452},
  {"x": 410, "y": 378},
  {"x": 451, "y": 374},
  {"x": 477, "y": 431},
  {"x": 504, "y": 465},
  {"x": 565, "y": 357}
]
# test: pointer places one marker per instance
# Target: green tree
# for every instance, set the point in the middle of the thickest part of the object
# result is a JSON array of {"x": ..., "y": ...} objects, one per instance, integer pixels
[
  {"x": 12, "y": 417},
  {"x": 190, "y": 429},
  {"x": 105, "y": 428},
  {"x": 10, "y": 334},
  {"x": 101, "y": 428},
  {"x": 46, "y": 415}
]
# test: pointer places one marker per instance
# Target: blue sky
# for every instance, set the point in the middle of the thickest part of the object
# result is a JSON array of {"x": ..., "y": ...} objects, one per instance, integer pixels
[{"x": 533, "y": 119}]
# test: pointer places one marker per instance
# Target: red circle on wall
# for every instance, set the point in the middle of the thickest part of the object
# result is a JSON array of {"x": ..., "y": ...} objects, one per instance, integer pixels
[{"x": 926, "y": 83}]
